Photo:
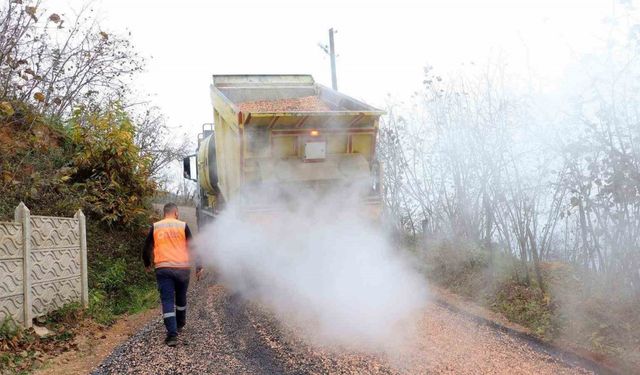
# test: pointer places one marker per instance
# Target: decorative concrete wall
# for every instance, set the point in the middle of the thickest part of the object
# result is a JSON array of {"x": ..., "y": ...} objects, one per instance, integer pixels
[{"x": 43, "y": 264}]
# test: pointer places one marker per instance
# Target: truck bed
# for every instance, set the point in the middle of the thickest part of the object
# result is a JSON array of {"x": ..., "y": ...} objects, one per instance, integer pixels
[{"x": 286, "y": 129}]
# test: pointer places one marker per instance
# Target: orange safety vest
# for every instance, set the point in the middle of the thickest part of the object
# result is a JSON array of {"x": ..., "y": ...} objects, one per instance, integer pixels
[{"x": 170, "y": 249}]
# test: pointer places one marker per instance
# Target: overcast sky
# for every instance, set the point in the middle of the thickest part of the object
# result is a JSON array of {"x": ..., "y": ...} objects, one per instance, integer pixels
[{"x": 382, "y": 45}]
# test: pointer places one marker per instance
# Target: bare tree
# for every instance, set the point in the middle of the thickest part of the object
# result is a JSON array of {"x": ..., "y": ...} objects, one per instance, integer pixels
[
  {"x": 158, "y": 142},
  {"x": 57, "y": 63},
  {"x": 453, "y": 165},
  {"x": 465, "y": 163}
]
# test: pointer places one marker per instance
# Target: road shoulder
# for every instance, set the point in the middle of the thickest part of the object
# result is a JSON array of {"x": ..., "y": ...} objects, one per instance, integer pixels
[
  {"x": 95, "y": 345},
  {"x": 560, "y": 348}
]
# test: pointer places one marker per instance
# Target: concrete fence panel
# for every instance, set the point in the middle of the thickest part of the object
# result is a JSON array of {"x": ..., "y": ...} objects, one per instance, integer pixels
[
  {"x": 11, "y": 271},
  {"x": 42, "y": 264}
]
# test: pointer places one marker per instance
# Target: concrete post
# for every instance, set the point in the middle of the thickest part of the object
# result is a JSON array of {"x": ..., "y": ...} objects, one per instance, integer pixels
[
  {"x": 22, "y": 215},
  {"x": 332, "y": 55},
  {"x": 83, "y": 258}
]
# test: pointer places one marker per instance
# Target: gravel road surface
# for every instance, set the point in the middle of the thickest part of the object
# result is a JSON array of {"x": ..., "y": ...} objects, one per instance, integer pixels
[{"x": 227, "y": 335}]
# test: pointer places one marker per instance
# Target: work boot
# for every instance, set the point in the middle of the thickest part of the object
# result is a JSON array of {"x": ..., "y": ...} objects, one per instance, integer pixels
[
  {"x": 171, "y": 340},
  {"x": 180, "y": 327}
]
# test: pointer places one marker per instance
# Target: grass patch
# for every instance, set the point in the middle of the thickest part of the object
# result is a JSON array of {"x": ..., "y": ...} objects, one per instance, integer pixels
[
  {"x": 118, "y": 283},
  {"x": 527, "y": 306}
]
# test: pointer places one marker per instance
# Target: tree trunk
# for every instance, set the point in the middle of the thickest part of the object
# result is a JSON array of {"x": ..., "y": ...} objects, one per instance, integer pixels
[{"x": 535, "y": 257}]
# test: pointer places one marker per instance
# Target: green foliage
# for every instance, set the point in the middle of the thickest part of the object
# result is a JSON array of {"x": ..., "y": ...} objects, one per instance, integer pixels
[
  {"x": 116, "y": 289},
  {"x": 528, "y": 306},
  {"x": 108, "y": 169},
  {"x": 8, "y": 329},
  {"x": 57, "y": 161},
  {"x": 112, "y": 276},
  {"x": 92, "y": 163},
  {"x": 118, "y": 283},
  {"x": 99, "y": 308},
  {"x": 104, "y": 308},
  {"x": 463, "y": 269},
  {"x": 70, "y": 313},
  {"x": 140, "y": 298}
]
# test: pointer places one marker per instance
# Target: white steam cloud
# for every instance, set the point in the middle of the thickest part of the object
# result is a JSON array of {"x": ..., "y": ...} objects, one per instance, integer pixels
[{"x": 320, "y": 264}]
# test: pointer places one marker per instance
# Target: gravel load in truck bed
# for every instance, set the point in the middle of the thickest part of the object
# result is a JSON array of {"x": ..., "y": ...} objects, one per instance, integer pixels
[
  {"x": 303, "y": 104},
  {"x": 227, "y": 335}
]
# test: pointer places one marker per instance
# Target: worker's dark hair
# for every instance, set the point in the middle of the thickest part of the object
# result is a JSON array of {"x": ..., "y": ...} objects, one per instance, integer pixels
[{"x": 169, "y": 208}]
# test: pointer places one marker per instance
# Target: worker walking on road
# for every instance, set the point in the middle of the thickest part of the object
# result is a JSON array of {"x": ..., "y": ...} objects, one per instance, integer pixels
[{"x": 168, "y": 244}]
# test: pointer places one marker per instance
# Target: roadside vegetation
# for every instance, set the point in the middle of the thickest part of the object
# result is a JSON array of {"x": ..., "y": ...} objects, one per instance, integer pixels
[
  {"x": 69, "y": 141},
  {"x": 527, "y": 201}
]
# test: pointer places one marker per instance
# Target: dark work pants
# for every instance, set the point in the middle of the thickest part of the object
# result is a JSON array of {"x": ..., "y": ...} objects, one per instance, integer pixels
[{"x": 173, "y": 284}]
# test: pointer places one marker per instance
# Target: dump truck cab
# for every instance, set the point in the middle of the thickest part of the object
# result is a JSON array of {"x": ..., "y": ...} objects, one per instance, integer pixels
[{"x": 283, "y": 132}]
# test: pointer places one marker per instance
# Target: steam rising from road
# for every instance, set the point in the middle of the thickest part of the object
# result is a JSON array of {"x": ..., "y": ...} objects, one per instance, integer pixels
[{"x": 319, "y": 264}]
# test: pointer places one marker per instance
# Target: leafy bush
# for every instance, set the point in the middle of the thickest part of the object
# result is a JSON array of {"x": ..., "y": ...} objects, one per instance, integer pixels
[
  {"x": 461, "y": 268},
  {"x": 70, "y": 313},
  {"x": 528, "y": 306},
  {"x": 107, "y": 166},
  {"x": 112, "y": 276},
  {"x": 8, "y": 329}
]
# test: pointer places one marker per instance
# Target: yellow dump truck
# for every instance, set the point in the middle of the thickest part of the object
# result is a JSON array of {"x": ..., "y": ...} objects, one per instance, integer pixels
[{"x": 284, "y": 131}]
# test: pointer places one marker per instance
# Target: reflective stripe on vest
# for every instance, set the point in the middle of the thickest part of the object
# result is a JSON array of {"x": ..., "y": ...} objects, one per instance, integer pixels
[{"x": 170, "y": 248}]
